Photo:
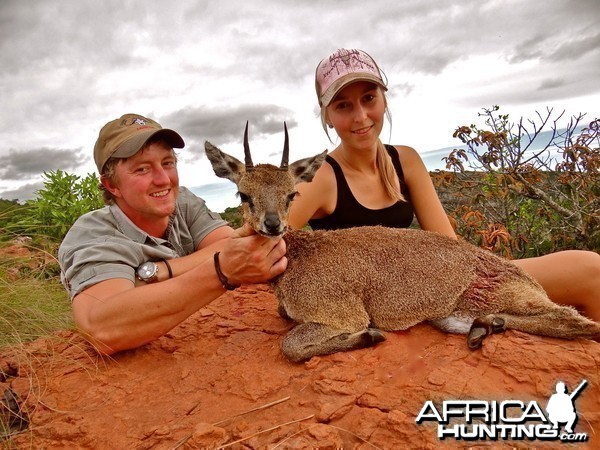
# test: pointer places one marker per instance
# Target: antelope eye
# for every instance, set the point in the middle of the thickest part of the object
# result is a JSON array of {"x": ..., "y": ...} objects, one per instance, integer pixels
[
  {"x": 292, "y": 196},
  {"x": 244, "y": 198}
]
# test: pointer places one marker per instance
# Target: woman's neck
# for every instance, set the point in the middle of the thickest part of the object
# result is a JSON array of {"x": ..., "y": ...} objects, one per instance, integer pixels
[{"x": 359, "y": 160}]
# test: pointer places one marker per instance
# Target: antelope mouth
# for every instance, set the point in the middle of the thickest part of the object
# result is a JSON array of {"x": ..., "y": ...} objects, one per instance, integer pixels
[{"x": 273, "y": 234}]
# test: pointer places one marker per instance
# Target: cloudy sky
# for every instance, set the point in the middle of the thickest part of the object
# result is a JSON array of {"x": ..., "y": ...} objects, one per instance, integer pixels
[{"x": 205, "y": 67}]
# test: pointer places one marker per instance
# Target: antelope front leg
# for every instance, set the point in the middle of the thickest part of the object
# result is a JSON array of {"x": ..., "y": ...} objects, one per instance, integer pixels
[{"x": 311, "y": 339}]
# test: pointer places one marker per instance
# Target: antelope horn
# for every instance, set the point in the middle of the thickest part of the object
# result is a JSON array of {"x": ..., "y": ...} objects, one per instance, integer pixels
[
  {"x": 248, "y": 158},
  {"x": 286, "y": 149}
]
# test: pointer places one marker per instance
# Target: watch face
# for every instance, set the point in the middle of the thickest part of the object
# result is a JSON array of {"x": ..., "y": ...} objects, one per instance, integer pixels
[{"x": 147, "y": 270}]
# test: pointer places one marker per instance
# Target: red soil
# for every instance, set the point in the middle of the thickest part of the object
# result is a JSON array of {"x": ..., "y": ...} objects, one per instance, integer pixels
[{"x": 197, "y": 386}]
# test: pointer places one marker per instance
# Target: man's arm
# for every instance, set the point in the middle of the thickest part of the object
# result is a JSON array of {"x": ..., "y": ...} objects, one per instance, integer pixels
[
  {"x": 213, "y": 242},
  {"x": 115, "y": 315}
]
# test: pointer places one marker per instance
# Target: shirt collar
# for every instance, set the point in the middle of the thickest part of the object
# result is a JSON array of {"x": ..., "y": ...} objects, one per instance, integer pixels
[{"x": 132, "y": 231}]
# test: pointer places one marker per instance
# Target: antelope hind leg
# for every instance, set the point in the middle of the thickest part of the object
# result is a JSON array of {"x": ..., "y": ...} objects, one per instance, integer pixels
[
  {"x": 559, "y": 321},
  {"x": 482, "y": 327},
  {"x": 311, "y": 339}
]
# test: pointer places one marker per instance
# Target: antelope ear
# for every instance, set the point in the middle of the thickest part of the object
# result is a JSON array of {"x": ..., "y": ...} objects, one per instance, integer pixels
[
  {"x": 305, "y": 169},
  {"x": 224, "y": 165}
]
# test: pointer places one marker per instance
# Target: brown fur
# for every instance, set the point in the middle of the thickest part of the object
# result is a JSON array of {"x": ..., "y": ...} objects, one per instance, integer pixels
[{"x": 343, "y": 286}]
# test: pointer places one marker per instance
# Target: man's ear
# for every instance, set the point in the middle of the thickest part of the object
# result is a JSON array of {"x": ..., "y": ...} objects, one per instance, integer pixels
[
  {"x": 305, "y": 169},
  {"x": 109, "y": 186},
  {"x": 224, "y": 165}
]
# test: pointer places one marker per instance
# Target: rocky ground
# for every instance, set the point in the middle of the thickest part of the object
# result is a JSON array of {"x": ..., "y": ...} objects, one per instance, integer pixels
[{"x": 219, "y": 380}]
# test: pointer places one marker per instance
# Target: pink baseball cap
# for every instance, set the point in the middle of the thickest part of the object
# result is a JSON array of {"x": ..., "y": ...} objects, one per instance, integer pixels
[{"x": 342, "y": 67}]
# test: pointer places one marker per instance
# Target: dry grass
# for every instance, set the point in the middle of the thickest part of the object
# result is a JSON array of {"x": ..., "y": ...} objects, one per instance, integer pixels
[
  {"x": 33, "y": 304},
  {"x": 30, "y": 309}
]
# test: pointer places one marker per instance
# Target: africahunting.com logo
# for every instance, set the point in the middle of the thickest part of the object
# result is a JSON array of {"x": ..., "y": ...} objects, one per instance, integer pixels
[{"x": 472, "y": 420}]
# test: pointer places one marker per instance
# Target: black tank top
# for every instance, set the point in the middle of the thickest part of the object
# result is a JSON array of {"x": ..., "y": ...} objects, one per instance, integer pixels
[{"x": 349, "y": 212}]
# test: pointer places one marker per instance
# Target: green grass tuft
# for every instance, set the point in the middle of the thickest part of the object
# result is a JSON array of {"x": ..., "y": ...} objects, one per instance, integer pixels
[{"x": 33, "y": 303}]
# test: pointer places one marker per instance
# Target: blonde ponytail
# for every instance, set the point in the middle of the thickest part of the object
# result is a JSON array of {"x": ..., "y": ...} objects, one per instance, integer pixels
[{"x": 389, "y": 177}]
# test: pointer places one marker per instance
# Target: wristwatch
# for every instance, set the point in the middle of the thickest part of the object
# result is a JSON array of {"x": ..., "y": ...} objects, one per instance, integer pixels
[{"x": 148, "y": 272}]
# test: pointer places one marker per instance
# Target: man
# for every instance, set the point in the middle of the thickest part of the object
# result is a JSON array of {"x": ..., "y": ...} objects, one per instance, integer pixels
[{"x": 155, "y": 254}]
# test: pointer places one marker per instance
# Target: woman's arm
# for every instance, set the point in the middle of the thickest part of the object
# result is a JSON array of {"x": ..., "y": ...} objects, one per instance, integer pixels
[{"x": 428, "y": 208}]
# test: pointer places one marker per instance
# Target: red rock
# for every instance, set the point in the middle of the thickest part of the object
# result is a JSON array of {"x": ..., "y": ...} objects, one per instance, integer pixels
[{"x": 219, "y": 376}]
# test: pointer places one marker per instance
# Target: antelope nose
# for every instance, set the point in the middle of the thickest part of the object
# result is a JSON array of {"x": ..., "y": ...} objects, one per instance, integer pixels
[{"x": 272, "y": 223}]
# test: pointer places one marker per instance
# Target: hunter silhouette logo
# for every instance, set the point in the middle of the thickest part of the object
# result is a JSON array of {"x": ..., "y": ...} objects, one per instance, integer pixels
[
  {"x": 472, "y": 420},
  {"x": 561, "y": 406}
]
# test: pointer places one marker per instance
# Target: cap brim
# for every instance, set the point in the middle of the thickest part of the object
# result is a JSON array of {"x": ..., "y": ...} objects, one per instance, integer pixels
[
  {"x": 133, "y": 145},
  {"x": 344, "y": 81}
]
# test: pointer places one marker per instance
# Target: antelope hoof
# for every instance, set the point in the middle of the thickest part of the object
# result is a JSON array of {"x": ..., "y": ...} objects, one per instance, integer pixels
[
  {"x": 481, "y": 328},
  {"x": 283, "y": 313},
  {"x": 375, "y": 335},
  {"x": 497, "y": 325},
  {"x": 476, "y": 336},
  {"x": 364, "y": 338}
]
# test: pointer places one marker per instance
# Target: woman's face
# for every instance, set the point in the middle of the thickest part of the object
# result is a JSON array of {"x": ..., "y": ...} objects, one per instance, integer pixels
[{"x": 357, "y": 113}]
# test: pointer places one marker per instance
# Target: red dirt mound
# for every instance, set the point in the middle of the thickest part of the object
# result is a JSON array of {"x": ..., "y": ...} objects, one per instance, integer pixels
[{"x": 220, "y": 378}]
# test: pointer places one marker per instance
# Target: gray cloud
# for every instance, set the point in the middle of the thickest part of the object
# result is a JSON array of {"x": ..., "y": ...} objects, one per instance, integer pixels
[
  {"x": 226, "y": 125},
  {"x": 549, "y": 48},
  {"x": 578, "y": 48},
  {"x": 530, "y": 48},
  {"x": 25, "y": 164},
  {"x": 551, "y": 83},
  {"x": 22, "y": 193},
  {"x": 69, "y": 66}
]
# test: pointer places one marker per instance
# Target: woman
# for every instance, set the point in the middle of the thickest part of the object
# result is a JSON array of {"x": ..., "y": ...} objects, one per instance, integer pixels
[{"x": 367, "y": 183}]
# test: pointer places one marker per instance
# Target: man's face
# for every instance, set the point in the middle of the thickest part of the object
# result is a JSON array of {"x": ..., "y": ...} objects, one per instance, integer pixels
[{"x": 146, "y": 185}]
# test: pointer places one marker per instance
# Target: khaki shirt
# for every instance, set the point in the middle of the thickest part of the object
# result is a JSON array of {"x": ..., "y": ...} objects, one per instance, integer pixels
[{"x": 105, "y": 244}]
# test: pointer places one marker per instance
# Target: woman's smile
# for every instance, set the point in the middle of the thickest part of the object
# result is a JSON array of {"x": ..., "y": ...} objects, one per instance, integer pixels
[{"x": 362, "y": 131}]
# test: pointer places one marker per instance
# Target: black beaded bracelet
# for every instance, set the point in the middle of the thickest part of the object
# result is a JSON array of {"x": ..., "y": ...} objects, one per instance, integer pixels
[
  {"x": 222, "y": 278},
  {"x": 168, "y": 268}
]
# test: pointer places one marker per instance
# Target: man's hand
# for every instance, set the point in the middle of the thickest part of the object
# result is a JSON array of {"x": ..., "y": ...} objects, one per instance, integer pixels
[{"x": 251, "y": 258}]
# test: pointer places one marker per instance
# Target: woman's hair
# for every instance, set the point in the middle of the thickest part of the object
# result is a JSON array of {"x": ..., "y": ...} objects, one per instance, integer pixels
[
  {"x": 388, "y": 174},
  {"x": 109, "y": 170}
]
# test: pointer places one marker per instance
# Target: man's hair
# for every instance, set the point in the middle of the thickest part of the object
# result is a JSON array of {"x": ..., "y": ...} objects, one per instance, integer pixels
[{"x": 109, "y": 169}]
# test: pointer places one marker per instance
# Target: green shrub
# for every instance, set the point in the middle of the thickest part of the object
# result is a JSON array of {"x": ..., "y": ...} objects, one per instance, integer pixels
[
  {"x": 233, "y": 216},
  {"x": 63, "y": 199},
  {"x": 538, "y": 188}
]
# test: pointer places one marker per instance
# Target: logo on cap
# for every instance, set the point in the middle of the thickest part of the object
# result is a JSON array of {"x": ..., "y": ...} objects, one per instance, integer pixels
[
  {"x": 345, "y": 61},
  {"x": 342, "y": 67}
]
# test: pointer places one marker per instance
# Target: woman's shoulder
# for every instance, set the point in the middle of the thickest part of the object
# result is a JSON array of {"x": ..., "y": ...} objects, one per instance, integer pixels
[
  {"x": 409, "y": 157},
  {"x": 405, "y": 150},
  {"x": 316, "y": 198},
  {"x": 324, "y": 176},
  {"x": 322, "y": 185}
]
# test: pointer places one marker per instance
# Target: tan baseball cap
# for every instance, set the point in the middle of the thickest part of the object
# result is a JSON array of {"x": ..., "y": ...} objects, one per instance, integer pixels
[
  {"x": 124, "y": 137},
  {"x": 342, "y": 67}
]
